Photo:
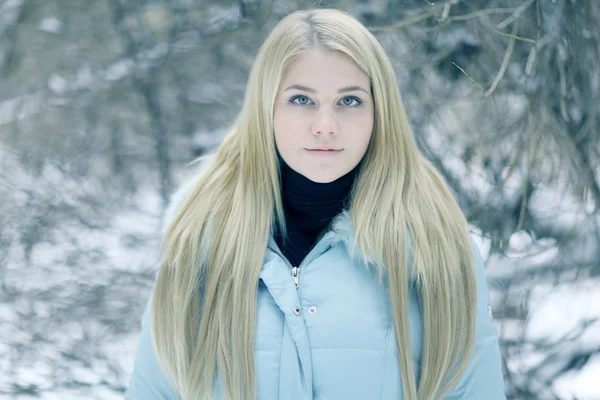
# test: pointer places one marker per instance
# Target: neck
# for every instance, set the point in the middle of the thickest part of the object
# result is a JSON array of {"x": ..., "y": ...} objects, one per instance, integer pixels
[
  {"x": 309, "y": 208},
  {"x": 302, "y": 196}
]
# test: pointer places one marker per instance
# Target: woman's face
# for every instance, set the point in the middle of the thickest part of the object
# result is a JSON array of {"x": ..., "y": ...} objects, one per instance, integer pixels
[{"x": 323, "y": 115}]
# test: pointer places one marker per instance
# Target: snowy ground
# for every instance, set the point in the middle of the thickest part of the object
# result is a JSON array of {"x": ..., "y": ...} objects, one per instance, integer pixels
[
  {"x": 69, "y": 317},
  {"x": 562, "y": 322}
]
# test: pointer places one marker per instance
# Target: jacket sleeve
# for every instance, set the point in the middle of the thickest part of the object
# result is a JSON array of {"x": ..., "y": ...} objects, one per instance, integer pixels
[
  {"x": 148, "y": 381},
  {"x": 483, "y": 378}
]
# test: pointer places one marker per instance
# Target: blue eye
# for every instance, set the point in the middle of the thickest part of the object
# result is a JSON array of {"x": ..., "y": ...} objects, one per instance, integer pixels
[
  {"x": 356, "y": 101},
  {"x": 348, "y": 101},
  {"x": 302, "y": 100}
]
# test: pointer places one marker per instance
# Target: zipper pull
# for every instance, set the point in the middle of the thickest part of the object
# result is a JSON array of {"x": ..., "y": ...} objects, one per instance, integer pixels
[{"x": 295, "y": 273}]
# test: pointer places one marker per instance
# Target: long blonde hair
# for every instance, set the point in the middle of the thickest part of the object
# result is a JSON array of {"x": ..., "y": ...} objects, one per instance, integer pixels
[{"x": 204, "y": 304}]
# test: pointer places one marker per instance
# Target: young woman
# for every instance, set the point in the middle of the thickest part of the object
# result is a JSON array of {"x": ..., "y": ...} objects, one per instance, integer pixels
[{"x": 319, "y": 255}]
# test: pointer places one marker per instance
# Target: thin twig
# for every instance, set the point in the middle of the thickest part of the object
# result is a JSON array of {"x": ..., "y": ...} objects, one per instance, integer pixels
[
  {"x": 563, "y": 88},
  {"x": 538, "y": 41},
  {"x": 480, "y": 13},
  {"x": 431, "y": 13},
  {"x": 531, "y": 156},
  {"x": 507, "y": 54},
  {"x": 446, "y": 12},
  {"x": 468, "y": 76},
  {"x": 404, "y": 23},
  {"x": 515, "y": 15},
  {"x": 535, "y": 50},
  {"x": 510, "y": 35}
]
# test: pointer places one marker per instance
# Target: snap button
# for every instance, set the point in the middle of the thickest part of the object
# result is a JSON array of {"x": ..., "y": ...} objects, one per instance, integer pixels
[
  {"x": 312, "y": 309},
  {"x": 296, "y": 310}
]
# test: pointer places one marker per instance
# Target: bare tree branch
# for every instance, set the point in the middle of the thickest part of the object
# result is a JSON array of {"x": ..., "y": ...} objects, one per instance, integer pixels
[{"x": 505, "y": 60}]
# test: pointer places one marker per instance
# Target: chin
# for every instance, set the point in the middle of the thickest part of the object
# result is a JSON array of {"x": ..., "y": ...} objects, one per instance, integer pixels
[{"x": 323, "y": 178}]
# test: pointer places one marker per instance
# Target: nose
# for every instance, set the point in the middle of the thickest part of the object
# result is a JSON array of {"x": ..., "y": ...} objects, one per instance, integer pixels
[{"x": 325, "y": 123}]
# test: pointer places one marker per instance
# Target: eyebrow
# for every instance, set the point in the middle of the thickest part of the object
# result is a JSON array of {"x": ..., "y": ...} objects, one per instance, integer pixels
[{"x": 342, "y": 90}]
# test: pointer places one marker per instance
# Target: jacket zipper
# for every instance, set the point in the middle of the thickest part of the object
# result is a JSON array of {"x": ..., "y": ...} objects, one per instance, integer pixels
[
  {"x": 296, "y": 270},
  {"x": 295, "y": 275}
]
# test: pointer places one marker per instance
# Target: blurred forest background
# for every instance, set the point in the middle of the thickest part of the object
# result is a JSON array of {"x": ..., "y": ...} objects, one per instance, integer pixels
[{"x": 103, "y": 104}]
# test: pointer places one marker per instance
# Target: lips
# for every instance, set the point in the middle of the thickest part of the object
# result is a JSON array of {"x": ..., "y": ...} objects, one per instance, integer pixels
[
  {"x": 324, "y": 152},
  {"x": 324, "y": 149}
]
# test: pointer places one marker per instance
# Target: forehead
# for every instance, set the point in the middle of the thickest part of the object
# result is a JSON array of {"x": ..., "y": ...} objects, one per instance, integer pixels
[{"x": 324, "y": 69}]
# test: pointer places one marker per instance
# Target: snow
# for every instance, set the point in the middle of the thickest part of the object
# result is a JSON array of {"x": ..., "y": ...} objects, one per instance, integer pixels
[
  {"x": 51, "y": 25},
  {"x": 581, "y": 384},
  {"x": 84, "y": 78},
  {"x": 557, "y": 207},
  {"x": 119, "y": 70},
  {"x": 20, "y": 107},
  {"x": 520, "y": 241},
  {"x": 220, "y": 18},
  {"x": 159, "y": 51},
  {"x": 555, "y": 324},
  {"x": 558, "y": 312},
  {"x": 58, "y": 84},
  {"x": 73, "y": 323}
]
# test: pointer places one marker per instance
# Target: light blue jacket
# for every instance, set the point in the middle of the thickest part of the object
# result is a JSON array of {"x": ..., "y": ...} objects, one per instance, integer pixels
[{"x": 332, "y": 337}]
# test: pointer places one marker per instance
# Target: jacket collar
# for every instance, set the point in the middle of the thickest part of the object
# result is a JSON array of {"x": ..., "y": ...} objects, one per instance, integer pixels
[{"x": 340, "y": 231}]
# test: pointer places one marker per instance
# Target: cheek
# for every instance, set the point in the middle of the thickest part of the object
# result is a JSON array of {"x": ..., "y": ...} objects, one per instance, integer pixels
[
  {"x": 287, "y": 128},
  {"x": 289, "y": 118},
  {"x": 360, "y": 129}
]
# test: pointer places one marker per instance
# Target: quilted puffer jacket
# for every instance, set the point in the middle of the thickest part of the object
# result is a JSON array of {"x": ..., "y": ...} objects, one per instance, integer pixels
[{"x": 324, "y": 331}]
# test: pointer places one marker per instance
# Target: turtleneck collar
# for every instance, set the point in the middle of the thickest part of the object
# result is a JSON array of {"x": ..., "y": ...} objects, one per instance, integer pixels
[{"x": 309, "y": 208}]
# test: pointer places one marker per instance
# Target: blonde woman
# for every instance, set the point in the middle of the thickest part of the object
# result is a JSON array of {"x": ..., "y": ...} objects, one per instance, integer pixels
[{"x": 319, "y": 255}]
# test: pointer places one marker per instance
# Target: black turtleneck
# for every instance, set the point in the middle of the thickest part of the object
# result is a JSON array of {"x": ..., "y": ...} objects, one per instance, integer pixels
[{"x": 309, "y": 208}]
